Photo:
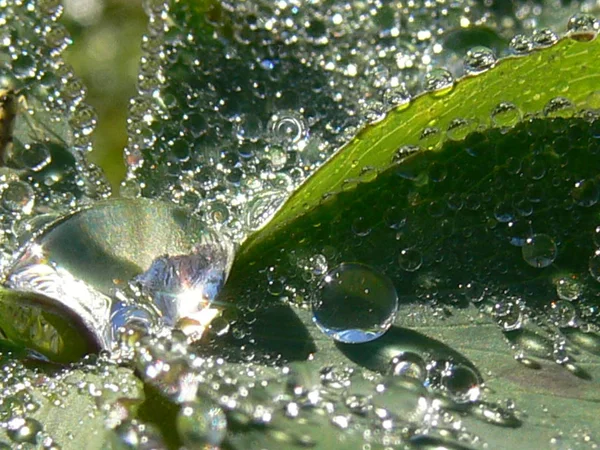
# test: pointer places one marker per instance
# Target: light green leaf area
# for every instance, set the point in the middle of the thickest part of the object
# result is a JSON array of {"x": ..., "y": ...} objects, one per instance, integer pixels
[{"x": 569, "y": 70}]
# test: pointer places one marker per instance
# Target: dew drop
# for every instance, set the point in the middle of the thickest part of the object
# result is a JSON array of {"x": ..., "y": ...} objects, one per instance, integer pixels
[
  {"x": 18, "y": 197},
  {"x": 201, "y": 424},
  {"x": 410, "y": 365},
  {"x": 410, "y": 259},
  {"x": 288, "y": 128},
  {"x": 568, "y": 288},
  {"x": 559, "y": 107},
  {"x": 461, "y": 383},
  {"x": 544, "y": 37},
  {"x": 439, "y": 82},
  {"x": 585, "y": 193},
  {"x": 521, "y": 44},
  {"x": 355, "y": 304},
  {"x": 479, "y": 59},
  {"x": 24, "y": 430},
  {"x": 539, "y": 250},
  {"x": 506, "y": 115},
  {"x": 583, "y": 27}
]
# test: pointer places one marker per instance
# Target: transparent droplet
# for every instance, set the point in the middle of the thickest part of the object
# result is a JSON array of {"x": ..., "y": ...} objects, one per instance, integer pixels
[
  {"x": 288, "y": 128},
  {"x": 585, "y": 193},
  {"x": 431, "y": 137},
  {"x": 18, "y": 197},
  {"x": 479, "y": 59},
  {"x": 397, "y": 96},
  {"x": 544, "y": 37},
  {"x": 506, "y": 115},
  {"x": 355, "y": 303},
  {"x": 23, "y": 430},
  {"x": 459, "y": 129},
  {"x": 583, "y": 27},
  {"x": 539, "y": 251},
  {"x": 521, "y": 44},
  {"x": 559, "y": 107},
  {"x": 248, "y": 127},
  {"x": 439, "y": 82},
  {"x": 568, "y": 288},
  {"x": 562, "y": 313},
  {"x": 461, "y": 383},
  {"x": 410, "y": 365},
  {"x": 33, "y": 157},
  {"x": 410, "y": 259},
  {"x": 200, "y": 424}
]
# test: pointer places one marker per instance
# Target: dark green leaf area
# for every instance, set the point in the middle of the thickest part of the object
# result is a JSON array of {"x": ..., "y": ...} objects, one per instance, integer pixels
[{"x": 499, "y": 215}]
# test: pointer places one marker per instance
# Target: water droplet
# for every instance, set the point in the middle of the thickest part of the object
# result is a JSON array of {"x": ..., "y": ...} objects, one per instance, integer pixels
[
  {"x": 288, "y": 128},
  {"x": 355, "y": 303},
  {"x": 18, "y": 197},
  {"x": 22, "y": 430},
  {"x": 559, "y": 107},
  {"x": 247, "y": 127},
  {"x": 439, "y": 82},
  {"x": 410, "y": 259},
  {"x": 506, "y": 115},
  {"x": 200, "y": 424},
  {"x": 521, "y": 44},
  {"x": 430, "y": 138},
  {"x": 458, "y": 129},
  {"x": 594, "y": 265},
  {"x": 539, "y": 250},
  {"x": 568, "y": 288},
  {"x": 461, "y": 383},
  {"x": 544, "y": 37},
  {"x": 479, "y": 59},
  {"x": 397, "y": 96},
  {"x": 585, "y": 193},
  {"x": 409, "y": 364},
  {"x": 583, "y": 27},
  {"x": 562, "y": 313}
]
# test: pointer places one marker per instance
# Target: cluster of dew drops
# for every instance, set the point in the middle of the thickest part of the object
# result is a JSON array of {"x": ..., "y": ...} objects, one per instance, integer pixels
[{"x": 262, "y": 100}]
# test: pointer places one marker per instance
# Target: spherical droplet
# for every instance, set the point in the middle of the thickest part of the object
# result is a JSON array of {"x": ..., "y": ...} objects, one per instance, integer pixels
[
  {"x": 18, "y": 197},
  {"x": 479, "y": 59},
  {"x": 410, "y": 259},
  {"x": 585, "y": 193},
  {"x": 288, "y": 128},
  {"x": 355, "y": 303},
  {"x": 461, "y": 382},
  {"x": 200, "y": 425},
  {"x": 22, "y": 430},
  {"x": 583, "y": 27},
  {"x": 539, "y": 250}
]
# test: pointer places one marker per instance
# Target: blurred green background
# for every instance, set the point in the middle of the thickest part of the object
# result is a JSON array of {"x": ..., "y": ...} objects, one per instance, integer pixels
[{"x": 105, "y": 54}]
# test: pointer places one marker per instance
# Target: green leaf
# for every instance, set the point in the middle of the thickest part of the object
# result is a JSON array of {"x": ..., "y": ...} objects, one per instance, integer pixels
[{"x": 521, "y": 83}]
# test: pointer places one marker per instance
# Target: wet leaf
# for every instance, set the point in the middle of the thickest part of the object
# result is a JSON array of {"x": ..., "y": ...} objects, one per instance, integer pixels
[{"x": 517, "y": 87}]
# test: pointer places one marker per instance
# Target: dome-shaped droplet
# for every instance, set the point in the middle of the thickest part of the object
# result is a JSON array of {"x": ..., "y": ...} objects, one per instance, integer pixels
[
  {"x": 439, "y": 82},
  {"x": 521, "y": 44},
  {"x": 355, "y": 303},
  {"x": 585, "y": 193},
  {"x": 544, "y": 37},
  {"x": 18, "y": 197},
  {"x": 506, "y": 115},
  {"x": 539, "y": 250},
  {"x": 583, "y": 27},
  {"x": 479, "y": 59},
  {"x": 461, "y": 383}
]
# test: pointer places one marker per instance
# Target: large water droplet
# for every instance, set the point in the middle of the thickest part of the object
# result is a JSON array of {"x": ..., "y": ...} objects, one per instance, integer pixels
[
  {"x": 583, "y": 27},
  {"x": 355, "y": 303}
]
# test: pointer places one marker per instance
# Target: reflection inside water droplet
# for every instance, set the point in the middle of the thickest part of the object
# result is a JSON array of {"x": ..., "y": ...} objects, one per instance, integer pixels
[{"x": 355, "y": 304}]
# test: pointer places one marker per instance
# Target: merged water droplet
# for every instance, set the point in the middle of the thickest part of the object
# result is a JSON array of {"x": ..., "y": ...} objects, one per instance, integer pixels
[{"x": 355, "y": 303}]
